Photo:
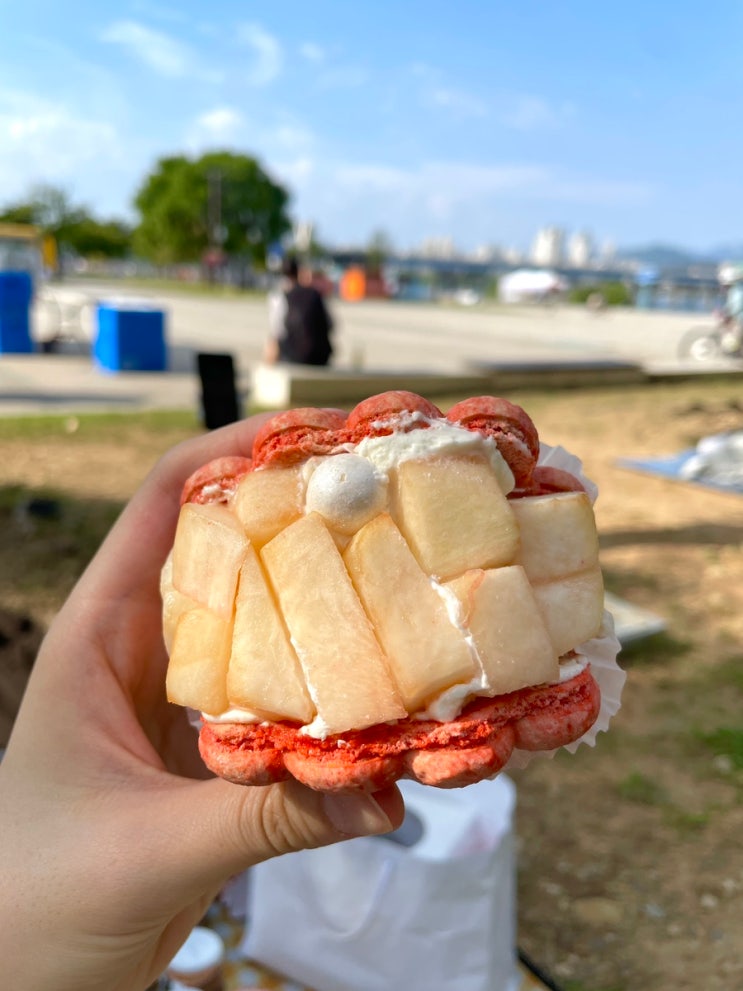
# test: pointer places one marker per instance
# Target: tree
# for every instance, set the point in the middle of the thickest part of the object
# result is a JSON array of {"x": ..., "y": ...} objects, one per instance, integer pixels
[
  {"x": 104, "y": 239},
  {"x": 378, "y": 251},
  {"x": 72, "y": 227},
  {"x": 221, "y": 201}
]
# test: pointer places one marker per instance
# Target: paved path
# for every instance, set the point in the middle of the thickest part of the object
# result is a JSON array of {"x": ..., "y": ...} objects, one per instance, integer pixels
[{"x": 372, "y": 335}]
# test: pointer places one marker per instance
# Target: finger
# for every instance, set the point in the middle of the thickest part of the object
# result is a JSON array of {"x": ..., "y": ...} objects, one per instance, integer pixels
[{"x": 216, "y": 829}]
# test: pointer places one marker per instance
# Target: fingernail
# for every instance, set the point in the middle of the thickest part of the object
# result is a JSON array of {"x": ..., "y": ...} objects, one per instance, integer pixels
[{"x": 356, "y": 814}]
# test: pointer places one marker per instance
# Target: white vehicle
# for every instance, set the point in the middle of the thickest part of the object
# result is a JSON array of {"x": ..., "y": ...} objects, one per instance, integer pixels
[{"x": 530, "y": 286}]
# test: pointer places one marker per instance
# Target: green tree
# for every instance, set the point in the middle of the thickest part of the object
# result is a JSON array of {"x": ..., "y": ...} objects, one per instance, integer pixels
[
  {"x": 48, "y": 208},
  {"x": 104, "y": 239},
  {"x": 221, "y": 200},
  {"x": 72, "y": 227}
]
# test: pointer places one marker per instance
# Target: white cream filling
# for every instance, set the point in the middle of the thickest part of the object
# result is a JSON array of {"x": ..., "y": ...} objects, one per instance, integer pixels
[
  {"x": 443, "y": 709},
  {"x": 387, "y": 451}
]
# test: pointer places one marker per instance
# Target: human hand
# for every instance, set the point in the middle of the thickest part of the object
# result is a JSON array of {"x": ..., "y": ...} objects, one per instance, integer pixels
[{"x": 114, "y": 841}]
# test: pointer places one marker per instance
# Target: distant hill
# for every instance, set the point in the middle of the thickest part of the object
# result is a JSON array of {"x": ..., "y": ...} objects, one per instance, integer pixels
[{"x": 670, "y": 256}]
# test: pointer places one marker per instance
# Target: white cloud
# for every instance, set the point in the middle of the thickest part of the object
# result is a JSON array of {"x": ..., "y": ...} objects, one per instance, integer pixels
[
  {"x": 268, "y": 56},
  {"x": 291, "y": 136},
  {"x": 45, "y": 141},
  {"x": 312, "y": 52},
  {"x": 343, "y": 77},
  {"x": 228, "y": 126},
  {"x": 165, "y": 55},
  {"x": 458, "y": 102},
  {"x": 350, "y": 199},
  {"x": 525, "y": 112},
  {"x": 221, "y": 123}
]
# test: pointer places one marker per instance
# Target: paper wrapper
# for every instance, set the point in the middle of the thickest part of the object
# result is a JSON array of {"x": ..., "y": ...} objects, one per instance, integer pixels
[{"x": 600, "y": 652}]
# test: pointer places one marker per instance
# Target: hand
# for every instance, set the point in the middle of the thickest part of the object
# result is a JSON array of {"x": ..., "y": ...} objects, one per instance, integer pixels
[{"x": 114, "y": 838}]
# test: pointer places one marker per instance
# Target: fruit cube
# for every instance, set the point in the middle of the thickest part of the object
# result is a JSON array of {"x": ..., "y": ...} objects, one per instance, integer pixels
[
  {"x": 454, "y": 515},
  {"x": 209, "y": 549},
  {"x": 557, "y": 534},
  {"x": 264, "y": 673},
  {"x": 175, "y": 603},
  {"x": 501, "y": 612},
  {"x": 267, "y": 500},
  {"x": 572, "y": 608},
  {"x": 197, "y": 673},
  {"x": 426, "y": 651},
  {"x": 349, "y": 676}
]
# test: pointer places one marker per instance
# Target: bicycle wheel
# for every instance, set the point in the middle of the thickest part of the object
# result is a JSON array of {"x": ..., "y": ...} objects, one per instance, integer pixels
[{"x": 699, "y": 344}]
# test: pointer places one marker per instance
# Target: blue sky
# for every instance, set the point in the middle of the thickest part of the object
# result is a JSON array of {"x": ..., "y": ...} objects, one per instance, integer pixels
[{"x": 478, "y": 120}]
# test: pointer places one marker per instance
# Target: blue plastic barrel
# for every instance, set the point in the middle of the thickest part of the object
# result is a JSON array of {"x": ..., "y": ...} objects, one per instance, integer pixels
[
  {"x": 16, "y": 290},
  {"x": 130, "y": 337}
]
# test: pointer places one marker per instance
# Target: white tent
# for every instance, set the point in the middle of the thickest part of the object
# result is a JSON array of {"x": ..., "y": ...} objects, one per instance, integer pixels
[{"x": 527, "y": 285}]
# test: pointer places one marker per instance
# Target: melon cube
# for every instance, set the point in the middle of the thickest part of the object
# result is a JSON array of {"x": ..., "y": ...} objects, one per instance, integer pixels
[
  {"x": 501, "y": 612},
  {"x": 454, "y": 515},
  {"x": 264, "y": 673},
  {"x": 572, "y": 608},
  {"x": 557, "y": 534},
  {"x": 197, "y": 672},
  {"x": 209, "y": 549},
  {"x": 268, "y": 500},
  {"x": 347, "y": 674},
  {"x": 175, "y": 603},
  {"x": 427, "y": 653}
]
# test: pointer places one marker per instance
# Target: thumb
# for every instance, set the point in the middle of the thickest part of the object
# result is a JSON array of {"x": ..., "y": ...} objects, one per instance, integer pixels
[{"x": 227, "y": 828}]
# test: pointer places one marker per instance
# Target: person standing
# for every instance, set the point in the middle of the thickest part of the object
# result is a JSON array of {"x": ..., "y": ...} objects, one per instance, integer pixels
[{"x": 300, "y": 323}]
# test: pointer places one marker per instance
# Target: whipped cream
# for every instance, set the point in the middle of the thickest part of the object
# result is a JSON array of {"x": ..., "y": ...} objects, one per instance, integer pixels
[
  {"x": 347, "y": 490},
  {"x": 412, "y": 441}
]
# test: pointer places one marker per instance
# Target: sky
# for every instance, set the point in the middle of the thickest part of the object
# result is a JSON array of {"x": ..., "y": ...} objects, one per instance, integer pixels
[{"x": 479, "y": 121}]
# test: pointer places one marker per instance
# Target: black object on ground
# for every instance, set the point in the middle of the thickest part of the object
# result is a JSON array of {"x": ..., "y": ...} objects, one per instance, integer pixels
[{"x": 219, "y": 400}]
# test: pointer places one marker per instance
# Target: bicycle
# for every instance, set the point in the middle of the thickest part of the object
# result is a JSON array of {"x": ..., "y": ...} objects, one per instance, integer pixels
[{"x": 713, "y": 343}]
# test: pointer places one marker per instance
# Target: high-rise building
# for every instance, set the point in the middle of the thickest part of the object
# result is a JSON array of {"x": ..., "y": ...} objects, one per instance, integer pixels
[
  {"x": 547, "y": 249},
  {"x": 580, "y": 249}
]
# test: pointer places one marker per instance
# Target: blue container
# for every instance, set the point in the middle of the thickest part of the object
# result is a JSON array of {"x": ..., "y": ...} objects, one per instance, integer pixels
[
  {"x": 130, "y": 339},
  {"x": 16, "y": 289}
]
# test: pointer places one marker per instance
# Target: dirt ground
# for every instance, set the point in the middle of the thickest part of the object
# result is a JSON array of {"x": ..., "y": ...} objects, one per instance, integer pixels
[{"x": 630, "y": 856}]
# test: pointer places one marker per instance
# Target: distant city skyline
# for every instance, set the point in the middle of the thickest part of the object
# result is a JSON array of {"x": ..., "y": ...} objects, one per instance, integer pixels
[{"x": 480, "y": 124}]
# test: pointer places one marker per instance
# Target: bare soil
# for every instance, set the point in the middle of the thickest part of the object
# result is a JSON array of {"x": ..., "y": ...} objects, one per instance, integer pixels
[{"x": 630, "y": 855}]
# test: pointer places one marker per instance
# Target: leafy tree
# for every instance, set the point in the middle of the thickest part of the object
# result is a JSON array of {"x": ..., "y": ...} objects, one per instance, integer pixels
[
  {"x": 106, "y": 239},
  {"x": 72, "y": 227},
  {"x": 612, "y": 293},
  {"x": 222, "y": 201}
]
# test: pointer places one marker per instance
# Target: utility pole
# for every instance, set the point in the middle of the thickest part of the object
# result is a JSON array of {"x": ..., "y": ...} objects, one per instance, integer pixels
[{"x": 216, "y": 230}]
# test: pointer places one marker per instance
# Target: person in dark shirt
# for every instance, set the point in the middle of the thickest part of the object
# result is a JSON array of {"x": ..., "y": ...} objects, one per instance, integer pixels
[{"x": 300, "y": 322}]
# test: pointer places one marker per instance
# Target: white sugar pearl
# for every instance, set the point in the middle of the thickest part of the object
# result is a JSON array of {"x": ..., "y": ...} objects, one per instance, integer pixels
[{"x": 346, "y": 491}]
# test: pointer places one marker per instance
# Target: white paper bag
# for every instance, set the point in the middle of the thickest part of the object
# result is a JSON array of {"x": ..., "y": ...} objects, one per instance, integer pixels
[{"x": 373, "y": 915}]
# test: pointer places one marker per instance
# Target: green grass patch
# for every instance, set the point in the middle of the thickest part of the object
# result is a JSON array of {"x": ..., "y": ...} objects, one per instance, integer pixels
[
  {"x": 59, "y": 535},
  {"x": 725, "y": 741},
  {"x": 659, "y": 650},
  {"x": 94, "y": 426},
  {"x": 637, "y": 787}
]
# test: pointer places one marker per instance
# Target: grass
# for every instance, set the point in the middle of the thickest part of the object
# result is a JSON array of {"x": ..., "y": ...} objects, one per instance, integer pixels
[
  {"x": 95, "y": 426},
  {"x": 60, "y": 534},
  {"x": 637, "y": 787},
  {"x": 725, "y": 741}
]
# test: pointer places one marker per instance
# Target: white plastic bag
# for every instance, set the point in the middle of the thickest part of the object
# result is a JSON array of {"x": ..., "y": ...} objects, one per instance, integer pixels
[{"x": 373, "y": 915}]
